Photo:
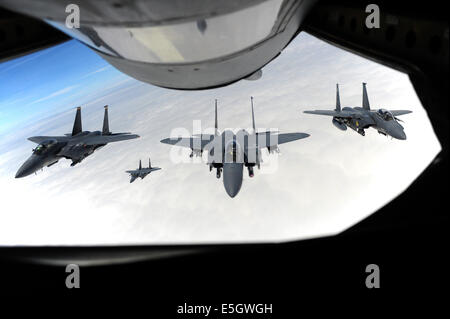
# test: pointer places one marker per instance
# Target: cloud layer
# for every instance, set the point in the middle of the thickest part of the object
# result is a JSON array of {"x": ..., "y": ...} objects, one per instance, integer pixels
[{"x": 323, "y": 184}]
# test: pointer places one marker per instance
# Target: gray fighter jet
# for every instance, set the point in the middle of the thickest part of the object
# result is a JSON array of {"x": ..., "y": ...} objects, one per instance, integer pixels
[
  {"x": 358, "y": 119},
  {"x": 75, "y": 146},
  {"x": 142, "y": 172},
  {"x": 228, "y": 153}
]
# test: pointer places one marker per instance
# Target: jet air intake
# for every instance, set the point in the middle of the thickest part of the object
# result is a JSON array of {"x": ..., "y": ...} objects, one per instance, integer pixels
[{"x": 339, "y": 124}]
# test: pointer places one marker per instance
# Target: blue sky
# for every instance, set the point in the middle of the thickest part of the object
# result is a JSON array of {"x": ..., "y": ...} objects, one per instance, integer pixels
[
  {"x": 38, "y": 85},
  {"x": 321, "y": 185}
]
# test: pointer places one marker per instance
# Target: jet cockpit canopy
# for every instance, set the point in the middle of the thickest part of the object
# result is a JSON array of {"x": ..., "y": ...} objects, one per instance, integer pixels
[
  {"x": 44, "y": 146},
  {"x": 232, "y": 154},
  {"x": 386, "y": 115}
]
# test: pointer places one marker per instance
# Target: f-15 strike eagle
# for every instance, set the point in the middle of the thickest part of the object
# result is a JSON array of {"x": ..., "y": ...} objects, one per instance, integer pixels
[
  {"x": 228, "y": 153},
  {"x": 142, "y": 172},
  {"x": 75, "y": 146},
  {"x": 358, "y": 119}
]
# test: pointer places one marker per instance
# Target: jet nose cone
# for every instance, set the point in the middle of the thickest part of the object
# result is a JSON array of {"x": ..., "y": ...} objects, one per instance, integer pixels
[
  {"x": 232, "y": 178},
  {"x": 28, "y": 168},
  {"x": 19, "y": 174},
  {"x": 399, "y": 134},
  {"x": 23, "y": 171},
  {"x": 232, "y": 191}
]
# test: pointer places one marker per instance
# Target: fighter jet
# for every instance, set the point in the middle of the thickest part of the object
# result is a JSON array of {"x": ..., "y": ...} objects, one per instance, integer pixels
[
  {"x": 358, "y": 119},
  {"x": 75, "y": 146},
  {"x": 228, "y": 153},
  {"x": 142, "y": 172}
]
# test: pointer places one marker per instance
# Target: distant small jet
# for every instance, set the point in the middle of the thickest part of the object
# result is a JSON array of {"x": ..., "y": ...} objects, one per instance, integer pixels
[
  {"x": 358, "y": 119},
  {"x": 142, "y": 172},
  {"x": 75, "y": 146},
  {"x": 229, "y": 152}
]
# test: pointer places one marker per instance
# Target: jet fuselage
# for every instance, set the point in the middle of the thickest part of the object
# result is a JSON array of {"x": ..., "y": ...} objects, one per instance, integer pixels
[
  {"x": 45, "y": 154},
  {"x": 387, "y": 125},
  {"x": 77, "y": 149},
  {"x": 231, "y": 157}
]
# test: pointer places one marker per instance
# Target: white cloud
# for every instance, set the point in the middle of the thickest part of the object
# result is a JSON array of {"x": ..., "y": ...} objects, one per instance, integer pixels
[
  {"x": 97, "y": 71},
  {"x": 324, "y": 183},
  {"x": 55, "y": 94}
]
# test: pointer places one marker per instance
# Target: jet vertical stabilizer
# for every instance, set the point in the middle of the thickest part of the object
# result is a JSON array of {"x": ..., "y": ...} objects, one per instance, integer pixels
[
  {"x": 365, "y": 101},
  {"x": 215, "y": 123},
  {"x": 338, "y": 99},
  {"x": 77, "y": 124},
  {"x": 253, "y": 115},
  {"x": 105, "y": 130},
  {"x": 140, "y": 164}
]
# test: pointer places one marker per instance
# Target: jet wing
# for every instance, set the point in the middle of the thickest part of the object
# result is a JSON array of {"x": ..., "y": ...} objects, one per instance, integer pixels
[
  {"x": 204, "y": 136},
  {"x": 289, "y": 137},
  {"x": 40, "y": 139},
  {"x": 400, "y": 112},
  {"x": 105, "y": 139},
  {"x": 277, "y": 139},
  {"x": 333, "y": 113},
  {"x": 194, "y": 142},
  {"x": 266, "y": 132},
  {"x": 143, "y": 170}
]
